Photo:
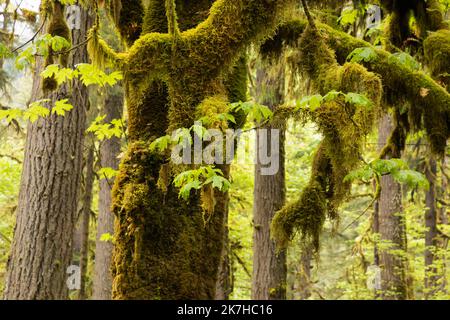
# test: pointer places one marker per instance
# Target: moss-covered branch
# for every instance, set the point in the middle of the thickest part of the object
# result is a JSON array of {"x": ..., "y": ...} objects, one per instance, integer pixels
[
  {"x": 428, "y": 101},
  {"x": 343, "y": 126}
]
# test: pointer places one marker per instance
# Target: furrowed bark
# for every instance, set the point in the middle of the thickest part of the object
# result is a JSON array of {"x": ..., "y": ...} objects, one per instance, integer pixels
[{"x": 49, "y": 189}]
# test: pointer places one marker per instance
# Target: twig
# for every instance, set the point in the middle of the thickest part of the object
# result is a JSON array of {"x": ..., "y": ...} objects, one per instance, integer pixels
[
  {"x": 11, "y": 157},
  {"x": 241, "y": 262},
  {"x": 32, "y": 38},
  {"x": 5, "y": 237}
]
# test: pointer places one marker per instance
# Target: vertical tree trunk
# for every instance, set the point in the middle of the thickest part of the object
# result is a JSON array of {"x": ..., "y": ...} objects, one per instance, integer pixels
[
  {"x": 164, "y": 248},
  {"x": 303, "y": 290},
  {"x": 269, "y": 264},
  {"x": 47, "y": 209},
  {"x": 431, "y": 275},
  {"x": 224, "y": 285},
  {"x": 109, "y": 152},
  {"x": 443, "y": 219},
  {"x": 84, "y": 222},
  {"x": 391, "y": 229}
]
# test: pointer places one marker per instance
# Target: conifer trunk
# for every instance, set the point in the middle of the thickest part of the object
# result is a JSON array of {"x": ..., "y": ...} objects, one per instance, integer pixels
[
  {"x": 269, "y": 264},
  {"x": 431, "y": 233},
  {"x": 84, "y": 221},
  {"x": 109, "y": 152},
  {"x": 391, "y": 224},
  {"x": 47, "y": 210}
]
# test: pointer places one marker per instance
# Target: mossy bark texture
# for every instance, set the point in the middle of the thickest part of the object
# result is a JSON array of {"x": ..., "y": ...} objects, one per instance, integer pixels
[{"x": 164, "y": 248}]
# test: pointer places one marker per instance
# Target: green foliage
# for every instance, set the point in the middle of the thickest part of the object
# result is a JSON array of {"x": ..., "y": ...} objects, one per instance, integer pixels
[
  {"x": 4, "y": 51},
  {"x": 107, "y": 172},
  {"x": 61, "y": 106},
  {"x": 254, "y": 111},
  {"x": 41, "y": 47},
  {"x": 406, "y": 60},
  {"x": 104, "y": 130},
  {"x": 87, "y": 73},
  {"x": 199, "y": 178},
  {"x": 397, "y": 168},
  {"x": 107, "y": 237},
  {"x": 36, "y": 110},
  {"x": 348, "y": 17},
  {"x": 312, "y": 103},
  {"x": 365, "y": 54}
]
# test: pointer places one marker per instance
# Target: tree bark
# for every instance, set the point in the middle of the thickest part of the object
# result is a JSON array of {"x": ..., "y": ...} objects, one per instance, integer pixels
[
  {"x": 224, "y": 285},
  {"x": 392, "y": 230},
  {"x": 269, "y": 264},
  {"x": 109, "y": 152},
  {"x": 303, "y": 290},
  {"x": 84, "y": 222},
  {"x": 47, "y": 209},
  {"x": 164, "y": 248},
  {"x": 431, "y": 275}
]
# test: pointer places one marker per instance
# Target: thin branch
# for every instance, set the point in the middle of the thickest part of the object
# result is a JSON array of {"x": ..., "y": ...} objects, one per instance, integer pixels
[
  {"x": 242, "y": 263},
  {"x": 32, "y": 38},
  {"x": 5, "y": 237},
  {"x": 10, "y": 157}
]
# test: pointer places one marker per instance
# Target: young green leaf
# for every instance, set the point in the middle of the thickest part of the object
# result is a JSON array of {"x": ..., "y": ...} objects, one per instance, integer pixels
[{"x": 61, "y": 106}]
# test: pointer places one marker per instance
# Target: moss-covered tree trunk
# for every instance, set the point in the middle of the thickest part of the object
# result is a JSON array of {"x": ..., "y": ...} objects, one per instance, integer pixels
[{"x": 165, "y": 249}]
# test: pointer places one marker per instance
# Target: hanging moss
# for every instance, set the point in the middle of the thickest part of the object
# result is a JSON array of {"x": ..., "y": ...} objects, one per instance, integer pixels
[
  {"x": 306, "y": 215},
  {"x": 236, "y": 84},
  {"x": 427, "y": 13},
  {"x": 167, "y": 248},
  {"x": 425, "y": 101},
  {"x": 155, "y": 19},
  {"x": 344, "y": 127}
]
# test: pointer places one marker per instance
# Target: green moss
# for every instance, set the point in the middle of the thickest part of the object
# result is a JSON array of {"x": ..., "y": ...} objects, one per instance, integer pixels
[
  {"x": 287, "y": 34},
  {"x": 236, "y": 81},
  {"x": 167, "y": 248},
  {"x": 437, "y": 55},
  {"x": 160, "y": 240},
  {"x": 155, "y": 19},
  {"x": 425, "y": 101},
  {"x": 344, "y": 128},
  {"x": 306, "y": 215}
]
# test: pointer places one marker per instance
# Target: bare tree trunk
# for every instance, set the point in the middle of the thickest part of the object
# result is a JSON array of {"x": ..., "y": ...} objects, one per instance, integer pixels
[
  {"x": 443, "y": 219},
  {"x": 109, "y": 152},
  {"x": 304, "y": 276},
  {"x": 269, "y": 264},
  {"x": 84, "y": 223},
  {"x": 431, "y": 226},
  {"x": 47, "y": 209},
  {"x": 392, "y": 230},
  {"x": 224, "y": 285}
]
